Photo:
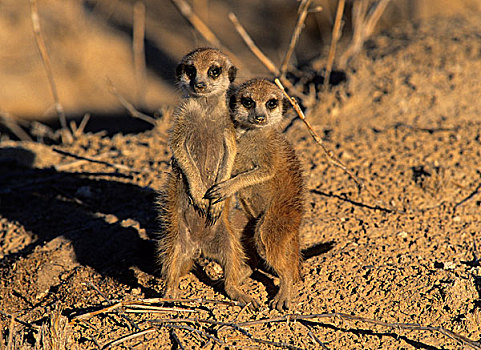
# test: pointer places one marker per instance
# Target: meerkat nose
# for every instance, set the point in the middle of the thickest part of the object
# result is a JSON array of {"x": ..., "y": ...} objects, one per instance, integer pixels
[
  {"x": 260, "y": 118},
  {"x": 200, "y": 85}
]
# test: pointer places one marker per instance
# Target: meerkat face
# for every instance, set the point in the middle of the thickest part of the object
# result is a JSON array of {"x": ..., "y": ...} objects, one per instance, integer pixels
[
  {"x": 205, "y": 72},
  {"x": 257, "y": 103}
]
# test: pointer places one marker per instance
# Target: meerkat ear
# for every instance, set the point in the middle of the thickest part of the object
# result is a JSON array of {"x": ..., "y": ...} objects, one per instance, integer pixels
[
  {"x": 179, "y": 71},
  {"x": 232, "y": 102},
  {"x": 232, "y": 73}
]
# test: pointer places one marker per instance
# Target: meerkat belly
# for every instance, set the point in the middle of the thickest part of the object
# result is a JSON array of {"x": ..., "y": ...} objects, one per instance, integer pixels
[{"x": 207, "y": 150}]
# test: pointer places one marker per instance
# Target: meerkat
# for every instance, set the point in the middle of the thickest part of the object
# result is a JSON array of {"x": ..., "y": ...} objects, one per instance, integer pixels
[
  {"x": 268, "y": 181},
  {"x": 203, "y": 146}
]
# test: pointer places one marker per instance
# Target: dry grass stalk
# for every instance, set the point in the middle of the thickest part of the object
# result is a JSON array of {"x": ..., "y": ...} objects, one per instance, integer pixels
[
  {"x": 11, "y": 123},
  {"x": 252, "y": 46},
  {"x": 129, "y": 337},
  {"x": 336, "y": 35},
  {"x": 139, "y": 51},
  {"x": 66, "y": 135},
  {"x": 303, "y": 10},
  {"x": 186, "y": 10},
  {"x": 259, "y": 54},
  {"x": 93, "y": 160},
  {"x": 363, "y": 24},
  {"x": 174, "y": 335},
  {"x": 466, "y": 342},
  {"x": 129, "y": 106},
  {"x": 328, "y": 153}
]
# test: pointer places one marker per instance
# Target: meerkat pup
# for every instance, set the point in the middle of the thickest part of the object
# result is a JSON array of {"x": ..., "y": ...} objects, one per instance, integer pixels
[
  {"x": 203, "y": 146},
  {"x": 267, "y": 179}
]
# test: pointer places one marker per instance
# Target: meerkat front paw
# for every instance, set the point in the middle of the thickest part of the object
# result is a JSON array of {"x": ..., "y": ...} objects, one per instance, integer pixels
[
  {"x": 218, "y": 193},
  {"x": 201, "y": 204},
  {"x": 215, "y": 211}
]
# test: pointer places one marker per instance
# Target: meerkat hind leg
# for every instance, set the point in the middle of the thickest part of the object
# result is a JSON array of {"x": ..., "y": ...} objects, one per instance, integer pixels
[{"x": 278, "y": 244}]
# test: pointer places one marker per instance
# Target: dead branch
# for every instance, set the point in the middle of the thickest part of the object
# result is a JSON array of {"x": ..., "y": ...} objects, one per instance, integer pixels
[
  {"x": 336, "y": 35},
  {"x": 139, "y": 51},
  {"x": 93, "y": 160},
  {"x": 224, "y": 324},
  {"x": 186, "y": 10},
  {"x": 328, "y": 153},
  {"x": 129, "y": 106},
  {"x": 408, "y": 326},
  {"x": 473, "y": 194},
  {"x": 252, "y": 46},
  {"x": 82, "y": 125},
  {"x": 129, "y": 337},
  {"x": 363, "y": 25},
  {"x": 259, "y": 54},
  {"x": 303, "y": 10},
  {"x": 177, "y": 340},
  {"x": 23, "y": 323},
  {"x": 46, "y": 63},
  {"x": 9, "y": 121}
]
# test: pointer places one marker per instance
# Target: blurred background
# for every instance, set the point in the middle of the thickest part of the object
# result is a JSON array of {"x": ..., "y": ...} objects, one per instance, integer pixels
[{"x": 91, "y": 42}]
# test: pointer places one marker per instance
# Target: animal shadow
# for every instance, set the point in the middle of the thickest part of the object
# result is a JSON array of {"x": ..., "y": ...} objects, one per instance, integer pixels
[{"x": 101, "y": 214}]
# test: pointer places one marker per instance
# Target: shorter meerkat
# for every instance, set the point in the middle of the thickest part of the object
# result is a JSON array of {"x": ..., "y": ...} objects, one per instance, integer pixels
[
  {"x": 203, "y": 146},
  {"x": 267, "y": 178}
]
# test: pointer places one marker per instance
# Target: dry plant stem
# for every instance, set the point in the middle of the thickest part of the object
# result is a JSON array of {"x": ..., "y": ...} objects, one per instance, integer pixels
[
  {"x": 467, "y": 198},
  {"x": 336, "y": 35},
  {"x": 129, "y": 106},
  {"x": 11, "y": 330},
  {"x": 186, "y": 10},
  {"x": 129, "y": 337},
  {"x": 258, "y": 53},
  {"x": 252, "y": 46},
  {"x": 82, "y": 125},
  {"x": 330, "y": 156},
  {"x": 176, "y": 338},
  {"x": 312, "y": 335},
  {"x": 93, "y": 160},
  {"x": 65, "y": 166},
  {"x": 363, "y": 26},
  {"x": 26, "y": 324},
  {"x": 342, "y": 316},
  {"x": 225, "y": 324},
  {"x": 10, "y": 122},
  {"x": 139, "y": 51},
  {"x": 46, "y": 62},
  {"x": 303, "y": 10}
]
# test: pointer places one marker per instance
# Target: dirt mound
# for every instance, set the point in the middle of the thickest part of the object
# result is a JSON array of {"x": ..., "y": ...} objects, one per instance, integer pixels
[{"x": 77, "y": 235}]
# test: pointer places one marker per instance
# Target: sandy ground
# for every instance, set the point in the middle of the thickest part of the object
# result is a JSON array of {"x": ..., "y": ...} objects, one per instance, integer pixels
[{"x": 77, "y": 236}]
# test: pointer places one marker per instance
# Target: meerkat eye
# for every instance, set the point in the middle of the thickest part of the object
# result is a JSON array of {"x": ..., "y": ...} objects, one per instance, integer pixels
[
  {"x": 214, "y": 72},
  {"x": 271, "y": 104},
  {"x": 190, "y": 71},
  {"x": 248, "y": 102}
]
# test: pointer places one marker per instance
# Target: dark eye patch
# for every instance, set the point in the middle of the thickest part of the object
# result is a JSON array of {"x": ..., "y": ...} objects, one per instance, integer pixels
[
  {"x": 190, "y": 71},
  {"x": 272, "y": 103},
  {"x": 247, "y": 102},
  {"x": 214, "y": 72}
]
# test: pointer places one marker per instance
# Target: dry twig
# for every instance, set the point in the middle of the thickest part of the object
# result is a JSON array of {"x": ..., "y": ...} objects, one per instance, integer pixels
[
  {"x": 129, "y": 337},
  {"x": 129, "y": 106},
  {"x": 138, "y": 50},
  {"x": 46, "y": 62},
  {"x": 363, "y": 25},
  {"x": 252, "y": 46},
  {"x": 11, "y": 123},
  {"x": 93, "y": 160},
  {"x": 336, "y": 35},
  {"x": 186, "y": 10},
  {"x": 303, "y": 10}
]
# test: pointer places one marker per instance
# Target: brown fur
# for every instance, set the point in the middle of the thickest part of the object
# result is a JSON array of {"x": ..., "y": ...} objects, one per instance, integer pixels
[
  {"x": 203, "y": 146},
  {"x": 267, "y": 178}
]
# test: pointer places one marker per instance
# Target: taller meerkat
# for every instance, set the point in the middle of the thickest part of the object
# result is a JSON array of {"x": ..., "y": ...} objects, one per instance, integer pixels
[
  {"x": 267, "y": 179},
  {"x": 203, "y": 146}
]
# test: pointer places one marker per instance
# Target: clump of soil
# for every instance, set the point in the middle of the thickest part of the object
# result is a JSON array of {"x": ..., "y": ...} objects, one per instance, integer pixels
[{"x": 77, "y": 235}]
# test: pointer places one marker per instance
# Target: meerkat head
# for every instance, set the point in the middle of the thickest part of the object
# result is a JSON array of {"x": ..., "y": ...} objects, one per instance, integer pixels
[
  {"x": 205, "y": 72},
  {"x": 257, "y": 103}
]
